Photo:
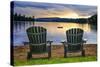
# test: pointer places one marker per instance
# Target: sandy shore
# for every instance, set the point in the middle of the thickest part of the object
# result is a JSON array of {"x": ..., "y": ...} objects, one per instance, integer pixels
[{"x": 20, "y": 52}]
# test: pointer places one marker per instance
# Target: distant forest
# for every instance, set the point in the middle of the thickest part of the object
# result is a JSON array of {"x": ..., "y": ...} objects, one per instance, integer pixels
[
  {"x": 91, "y": 20},
  {"x": 19, "y": 17},
  {"x": 57, "y": 19}
]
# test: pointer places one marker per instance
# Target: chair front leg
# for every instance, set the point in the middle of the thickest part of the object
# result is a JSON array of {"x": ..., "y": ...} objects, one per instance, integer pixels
[
  {"x": 65, "y": 51},
  {"x": 65, "y": 48},
  {"x": 83, "y": 51},
  {"x": 49, "y": 48},
  {"x": 29, "y": 55}
]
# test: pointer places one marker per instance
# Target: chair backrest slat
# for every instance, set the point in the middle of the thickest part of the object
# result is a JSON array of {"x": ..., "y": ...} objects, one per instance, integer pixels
[
  {"x": 74, "y": 38},
  {"x": 36, "y": 35},
  {"x": 74, "y": 35}
]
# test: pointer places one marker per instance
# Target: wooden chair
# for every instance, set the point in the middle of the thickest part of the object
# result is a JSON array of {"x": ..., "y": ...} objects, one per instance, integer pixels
[
  {"x": 74, "y": 41},
  {"x": 38, "y": 41}
]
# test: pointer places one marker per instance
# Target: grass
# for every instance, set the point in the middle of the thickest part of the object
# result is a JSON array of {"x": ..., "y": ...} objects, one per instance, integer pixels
[{"x": 55, "y": 60}]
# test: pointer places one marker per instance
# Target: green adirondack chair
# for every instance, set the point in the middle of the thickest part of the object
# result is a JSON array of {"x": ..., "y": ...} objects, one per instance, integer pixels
[
  {"x": 74, "y": 41},
  {"x": 38, "y": 41}
]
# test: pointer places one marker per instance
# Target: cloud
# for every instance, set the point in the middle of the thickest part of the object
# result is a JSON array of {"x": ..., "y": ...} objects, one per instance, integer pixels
[{"x": 52, "y": 10}]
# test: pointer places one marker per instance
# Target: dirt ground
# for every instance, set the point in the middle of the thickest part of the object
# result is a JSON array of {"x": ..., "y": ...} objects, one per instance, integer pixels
[{"x": 20, "y": 52}]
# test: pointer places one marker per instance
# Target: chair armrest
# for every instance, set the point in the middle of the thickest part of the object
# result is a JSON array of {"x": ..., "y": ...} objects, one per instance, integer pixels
[
  {"x": 26, "y": 43},
  {"x": 84, "y": 40},
  {"x": 64, "y": 43},
  {"x": 49, "y": 42}
]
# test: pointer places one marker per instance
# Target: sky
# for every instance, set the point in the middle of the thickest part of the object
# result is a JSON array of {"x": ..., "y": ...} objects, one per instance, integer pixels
[{"x": 41, "y": 10}]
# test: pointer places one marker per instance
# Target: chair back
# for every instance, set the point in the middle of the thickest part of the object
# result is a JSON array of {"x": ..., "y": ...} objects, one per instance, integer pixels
[
  {"x": 37, "y": 38},
  {"x": 74, "y": 38}
]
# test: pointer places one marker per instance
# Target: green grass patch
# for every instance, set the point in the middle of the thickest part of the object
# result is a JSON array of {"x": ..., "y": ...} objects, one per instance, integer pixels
[{"x": 55, "y": 60}]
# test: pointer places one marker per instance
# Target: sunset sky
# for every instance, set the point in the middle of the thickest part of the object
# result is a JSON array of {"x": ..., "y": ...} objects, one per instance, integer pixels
[{"x": 40, "y": 10}]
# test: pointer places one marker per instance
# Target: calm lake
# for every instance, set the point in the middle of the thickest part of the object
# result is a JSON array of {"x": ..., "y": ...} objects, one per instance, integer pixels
[{"x": 53, "y": 32}]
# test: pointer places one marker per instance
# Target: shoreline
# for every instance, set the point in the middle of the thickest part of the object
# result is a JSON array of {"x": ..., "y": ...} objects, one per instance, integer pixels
[
  {"x": 20, "y": 52},
  {"x": 56, "y": 44}
]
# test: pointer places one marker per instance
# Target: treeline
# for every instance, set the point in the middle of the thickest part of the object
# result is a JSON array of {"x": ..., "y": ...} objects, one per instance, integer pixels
[
  {"x": 56, "y": 19},
  {"x": 19, "y": 17},
  {"x": 80, "y": 20},
  {"x": 93, "y": 19}
]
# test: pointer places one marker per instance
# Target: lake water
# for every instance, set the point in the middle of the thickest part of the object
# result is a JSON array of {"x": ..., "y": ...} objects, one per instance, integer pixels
[{"x": 53, "y": 32}]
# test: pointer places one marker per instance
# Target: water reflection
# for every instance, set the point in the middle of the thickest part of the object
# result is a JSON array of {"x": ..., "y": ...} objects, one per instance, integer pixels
[
  {"x": 21, "y": 25},
  {"x": 93, "y": 27},
  {"x": 53, "y": 32},
  {"x": 58, "y": 34}
]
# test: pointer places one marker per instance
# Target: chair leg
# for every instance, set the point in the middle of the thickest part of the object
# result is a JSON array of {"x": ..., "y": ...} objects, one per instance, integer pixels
[
  {"x": 49, "y": 51},
  {"x": 83, "y": 53},
  {"x": 29, "y": 55},
  {"x": 65, "y": 52}
]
